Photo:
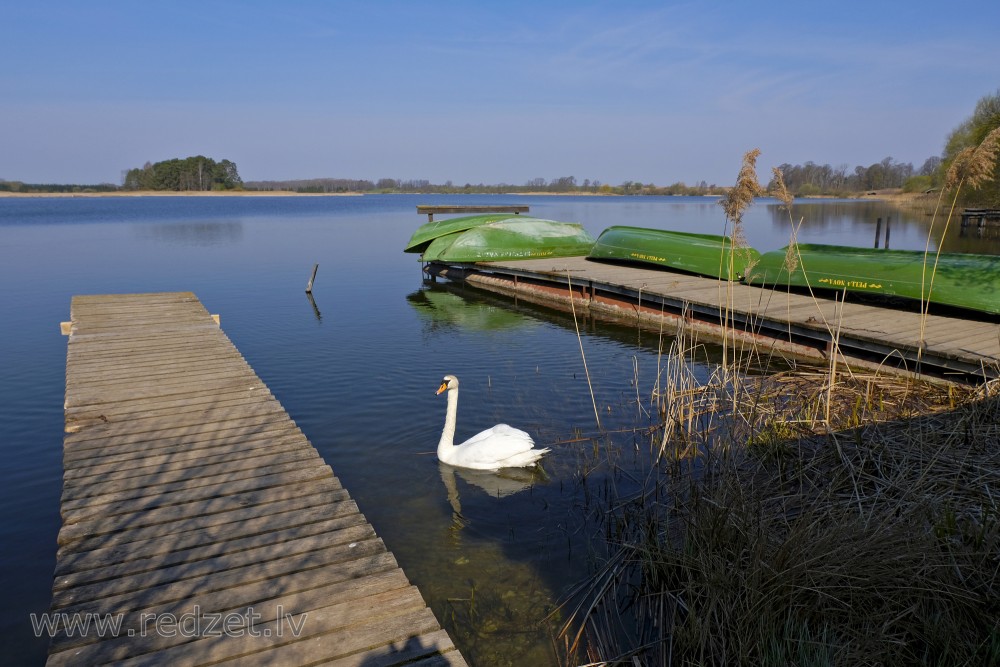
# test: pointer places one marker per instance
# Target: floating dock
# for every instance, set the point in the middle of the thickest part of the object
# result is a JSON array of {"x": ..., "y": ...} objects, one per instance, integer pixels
[
  {"x": 800, "y": 326},
  {"x": 200, "y": 526}
]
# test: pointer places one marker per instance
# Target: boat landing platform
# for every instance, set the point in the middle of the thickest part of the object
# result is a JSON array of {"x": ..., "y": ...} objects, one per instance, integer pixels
[{"x": 200, "y": 526}]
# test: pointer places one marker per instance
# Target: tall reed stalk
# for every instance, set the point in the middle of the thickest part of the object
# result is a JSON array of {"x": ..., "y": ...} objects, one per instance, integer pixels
[
  {"x": 735, "y": 203},
  {"x": 972, "y": 167}
]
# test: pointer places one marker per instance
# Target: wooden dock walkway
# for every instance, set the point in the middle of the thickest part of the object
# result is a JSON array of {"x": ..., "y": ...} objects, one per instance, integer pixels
[
  {"x": 868, "y": 336},
  {"x": 199, "y": 518}
]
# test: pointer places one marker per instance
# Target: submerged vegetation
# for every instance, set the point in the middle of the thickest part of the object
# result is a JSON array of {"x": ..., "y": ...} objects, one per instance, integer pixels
[{"x": 808, "y": 517}]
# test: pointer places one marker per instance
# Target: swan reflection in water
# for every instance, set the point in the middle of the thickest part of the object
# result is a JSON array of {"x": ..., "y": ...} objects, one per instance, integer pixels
[{"x": 499, "y": 484}]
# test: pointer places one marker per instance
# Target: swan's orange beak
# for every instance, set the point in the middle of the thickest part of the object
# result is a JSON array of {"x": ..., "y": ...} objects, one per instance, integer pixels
[{"x": 442, "y": 388}]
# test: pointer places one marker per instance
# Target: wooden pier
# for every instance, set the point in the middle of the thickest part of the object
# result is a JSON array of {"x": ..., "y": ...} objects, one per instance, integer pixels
[
  {"x": 200, "y": 526},
  {"x": 431, "y": 209},
  {"x": 980, "y": 217},
  {"x": 800, "y": 326}
]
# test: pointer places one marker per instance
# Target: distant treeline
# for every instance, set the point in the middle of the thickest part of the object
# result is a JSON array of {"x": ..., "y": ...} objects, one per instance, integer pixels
[
  {"x": 18, "y": 186},
  {"x": 197, "y": 173},
  {"x": 813, "y": 179},
  {"x": 563, "y": 184}
]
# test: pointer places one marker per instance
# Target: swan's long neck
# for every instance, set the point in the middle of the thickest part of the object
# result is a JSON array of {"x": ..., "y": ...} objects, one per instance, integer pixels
[{"x": 447, "y": 442}]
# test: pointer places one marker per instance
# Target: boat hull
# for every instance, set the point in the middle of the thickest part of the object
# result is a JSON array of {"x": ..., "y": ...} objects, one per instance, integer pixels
[
  {"x": 426, "y": 233},
  {"x": 961, "y": 280},
  {"x": 701, "y": 254},
  {"x": 511, "y": 238}
]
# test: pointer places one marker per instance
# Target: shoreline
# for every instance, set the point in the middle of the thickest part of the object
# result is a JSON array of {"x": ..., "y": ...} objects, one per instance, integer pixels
[
  {"x": 174, "y": 193},
  {"x": 897, "y": 198}
]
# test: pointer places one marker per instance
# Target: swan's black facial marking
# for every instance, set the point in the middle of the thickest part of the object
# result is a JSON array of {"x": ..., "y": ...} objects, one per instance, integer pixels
[{"x": 448, "y": 382}]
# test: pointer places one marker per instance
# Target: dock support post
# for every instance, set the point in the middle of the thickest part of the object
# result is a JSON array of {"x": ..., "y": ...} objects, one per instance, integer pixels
[
  {"x": 878, "y": 232},
  {"x": 888, "y": 218}
]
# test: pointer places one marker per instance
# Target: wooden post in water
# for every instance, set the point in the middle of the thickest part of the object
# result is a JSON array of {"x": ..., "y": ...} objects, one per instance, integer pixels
[
  {"x": 309, "y": 287},
  {"x": 878, "y": 232},
  {"x": 888, "y": 218}
]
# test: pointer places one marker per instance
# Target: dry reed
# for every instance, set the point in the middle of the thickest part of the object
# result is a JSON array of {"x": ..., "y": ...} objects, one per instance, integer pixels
[
  {"x": 803, "y": 519},
  {"x": 874, "y": 544},
  {"x": 972, "y": 167}
]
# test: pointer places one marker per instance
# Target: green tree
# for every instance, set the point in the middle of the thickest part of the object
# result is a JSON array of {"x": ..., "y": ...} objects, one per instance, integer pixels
[
  {"x": 197, "y": 173},
  {"x": 970, "y": 134}
]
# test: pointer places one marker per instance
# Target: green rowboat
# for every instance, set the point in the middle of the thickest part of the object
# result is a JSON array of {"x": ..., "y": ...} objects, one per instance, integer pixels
[
  {"x": 425, "y": 234},
  {"x": 510, "y": 238},
  {"x": 962, "y": 280},
  {"x": 702, "y": 254}
]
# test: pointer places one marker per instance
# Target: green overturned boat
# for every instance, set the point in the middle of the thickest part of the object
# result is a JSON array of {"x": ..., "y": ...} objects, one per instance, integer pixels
[
  {"x": 432, "y": 230},
  {"x": 701, "y": 254},
  {"x": 961, "y": 280},
  {"x": 516, "y": 237}
]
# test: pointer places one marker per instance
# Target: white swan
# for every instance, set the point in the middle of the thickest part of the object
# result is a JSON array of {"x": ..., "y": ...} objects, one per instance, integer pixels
[{"x": 499, "y": 447}]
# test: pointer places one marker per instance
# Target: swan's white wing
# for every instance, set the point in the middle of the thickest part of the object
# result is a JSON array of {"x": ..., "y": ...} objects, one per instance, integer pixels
[
  {"x": 497, "y": 447},
  {"x": 501, "y": 431}
]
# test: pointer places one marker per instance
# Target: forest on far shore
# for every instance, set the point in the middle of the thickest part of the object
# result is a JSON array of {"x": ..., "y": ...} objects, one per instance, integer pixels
[
  {"x": 204, "y": 174},
  {"x": 803, "y": 180}
]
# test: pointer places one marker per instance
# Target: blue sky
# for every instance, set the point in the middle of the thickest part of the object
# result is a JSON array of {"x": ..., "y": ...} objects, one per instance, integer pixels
[{"x": 493, "y": 92}]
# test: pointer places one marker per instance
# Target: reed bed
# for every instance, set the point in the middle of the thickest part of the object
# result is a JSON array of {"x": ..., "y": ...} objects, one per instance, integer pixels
[
  {"x": 874, "y": 544},
  {"x": 808, "y": 517}
]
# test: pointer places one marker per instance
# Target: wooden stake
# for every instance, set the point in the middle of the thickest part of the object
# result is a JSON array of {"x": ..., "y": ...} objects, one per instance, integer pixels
[{"x": 309, "y": 287}]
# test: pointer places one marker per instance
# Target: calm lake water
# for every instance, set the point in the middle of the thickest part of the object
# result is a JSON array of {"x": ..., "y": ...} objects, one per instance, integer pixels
[{"x": 357, "y": 370}]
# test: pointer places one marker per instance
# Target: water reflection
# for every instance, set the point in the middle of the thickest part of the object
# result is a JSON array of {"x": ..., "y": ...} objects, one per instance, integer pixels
[
  {"x": 441, "y": 311},
  {"x": 857, "y": 223},
  {"x": 850, "y": 222},
  {"x": 315, "y": 308},
  {"x": 498, "y": 484},
  {"x": 204, "y": 234}
]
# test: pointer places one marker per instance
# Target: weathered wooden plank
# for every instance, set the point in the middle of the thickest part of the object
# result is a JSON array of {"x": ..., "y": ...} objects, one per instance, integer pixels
[
  {"x": 118, "y": 429},
  {"x": 206, "y": 444},
  {"x": 350, "y": 528},
  {"x": 179, "y": 435},
  {"x": 118, "y": 432},
  {"x": 179, "y": 581},
  {"x": 433, "y": 649},
  {"x": 103, "y": 374},
  {"x": 213, "y": 508},
  {"x": 157, "y": 478},
  {"x": 212, "y": 539},
  {"x": 367, "y": 554},
  {"x": 355, "y": 580},
  {"x": 430, "y": 210},
  {"x": 191, "y": 402},
  {"x": 99, "y": 349},
  {"x": 79, "y": 540},
  {"x": 94, "y": 397},
  {"x": 139, "y": 500},
  {"x": 185, "y": 464},
  {"x": 208, "y": 414},
  {"x": 174, "y": 378},
  {"x": 392, "y": 618}
]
